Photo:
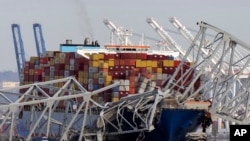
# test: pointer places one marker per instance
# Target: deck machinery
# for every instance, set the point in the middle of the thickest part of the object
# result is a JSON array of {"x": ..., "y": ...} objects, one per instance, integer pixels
[{"x": 228, "y": 91}]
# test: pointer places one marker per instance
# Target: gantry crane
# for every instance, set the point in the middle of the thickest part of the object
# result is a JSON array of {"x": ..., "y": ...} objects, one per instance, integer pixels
[
  {"x": 171, "y": 44},
  {"x": 19, "y": 49},
  {"x": 121, "y": 33},
  {"x": 40, "y": 45}
]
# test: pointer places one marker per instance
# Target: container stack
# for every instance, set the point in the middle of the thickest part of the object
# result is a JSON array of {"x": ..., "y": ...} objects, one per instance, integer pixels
[{"x": 136, "y": 72}]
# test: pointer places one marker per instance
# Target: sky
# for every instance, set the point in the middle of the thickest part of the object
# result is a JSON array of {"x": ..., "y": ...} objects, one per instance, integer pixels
[{"x": 78, "y": 19}]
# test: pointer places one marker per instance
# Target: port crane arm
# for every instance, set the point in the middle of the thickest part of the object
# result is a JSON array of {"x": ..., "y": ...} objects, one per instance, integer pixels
[
  {"x": 19, "y": 49},
  {"x": 40, "y": 45},
  {"x": 121, "y": 33},
  {"x": 166, "y": 37}
]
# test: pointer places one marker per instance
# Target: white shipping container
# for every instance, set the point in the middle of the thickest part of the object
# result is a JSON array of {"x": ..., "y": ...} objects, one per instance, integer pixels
[
  {"x": 122, "y": 82},
  {"x": 159, "y": 76},
  {"x": 90, "y": 87},
  {"x": 141, "y": 90},
  {"x": 72, "y": 61},
  {"x": 121, "y": 88},
  {"x": 126, "y": 82},
  {"x": 71, "y": 67},
  {"x": 126, "y": 88},
  {"x": 101, "y": 80},
  {"x": 164, "y": 76}
]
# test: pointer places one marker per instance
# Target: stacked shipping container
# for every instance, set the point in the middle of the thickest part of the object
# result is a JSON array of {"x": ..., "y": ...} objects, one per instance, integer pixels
[{"x": 136, "y": 72}]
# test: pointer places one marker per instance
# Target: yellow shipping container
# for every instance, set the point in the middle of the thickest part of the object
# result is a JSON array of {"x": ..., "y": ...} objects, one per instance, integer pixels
[
  {"x": 101, "y": 61},
  {"x": 96, "y": 75},
  {"x": 168, "y": 63},
  {"x": 94, "y": 63},
  {"x": 101, "y": 56},
  {"x": 115, "y": 99},
  {"x": 159, "y": 70},
  {"x": 106, "y": 83},
  {"x": 138, "y": 63},
  {"x": 143, "y": 63},
  {"x": 94, "y": 57},
  {"x": 33, "y": 59},
  {"x": 108, "y": 78},
  {"x": 105, "y": 65},
  {"x": 154, "y": 64},
  {"x": 111, "y": 62},
  {"x": 149, "y": 63}
]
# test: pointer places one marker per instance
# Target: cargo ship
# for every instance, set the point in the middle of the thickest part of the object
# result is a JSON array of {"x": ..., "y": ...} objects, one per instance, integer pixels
[{"x": 138, "y": 68}]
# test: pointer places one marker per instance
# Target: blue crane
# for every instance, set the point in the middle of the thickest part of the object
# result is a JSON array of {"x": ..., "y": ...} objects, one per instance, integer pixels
[
  {"x": 40, "y": 45},
  {"x": 19, "y": 49}
]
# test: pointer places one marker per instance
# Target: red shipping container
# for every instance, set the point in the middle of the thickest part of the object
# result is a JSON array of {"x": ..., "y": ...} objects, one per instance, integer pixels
[
  {"x": 168, "y": 70},
  {"x": 86, "y": 67},
  {"x": 117, "y": 68},
  {"x": 31, "y": 78},
  {"x": 26, "y": 77},
  {"x": 27, "y": 64},
  {"x": 44, "y": 60},
  {"x": 131, "y": 90},
  {"x": 59, "y": 67},
  {"x": 31, "y": 65},
  {"x": 111, "y": 68},
  {"x": 154, "y": 70},
  {"x": 38, "y": 78},
  {"x": 122, "y": 68},
  {"x": 26, "y": 71},
  {"x": 46, "y": 70},
  {"x": 122, "y": 62},
  {"x": 108, "y": 56},
  {"x": 117, "y": 62},
  {"x": 176, "y": 63},
  {"x": 142, "y": 56},
  {"x": 117, "y": 56},
  {"x": 38, "y": 71}
]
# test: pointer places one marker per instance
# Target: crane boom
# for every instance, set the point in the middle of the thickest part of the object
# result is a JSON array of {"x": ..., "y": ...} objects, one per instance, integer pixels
[
  {"x": 40, "y": 45},
  {"x": 182, "y": 29},
  {"x": 121, "y": 33},
  {"x": 19, "y": 49},
  {"x": 166, "y": 37}
]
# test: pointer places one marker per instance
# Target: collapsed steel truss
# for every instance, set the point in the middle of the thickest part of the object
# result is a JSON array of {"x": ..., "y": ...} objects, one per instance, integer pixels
[
  {"x": 81, "y": 114},
  {"x": 221, "y": 69}
]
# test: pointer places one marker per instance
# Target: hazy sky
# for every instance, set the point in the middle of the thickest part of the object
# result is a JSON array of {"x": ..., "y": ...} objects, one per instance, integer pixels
[{"x": 77, "y": 19}]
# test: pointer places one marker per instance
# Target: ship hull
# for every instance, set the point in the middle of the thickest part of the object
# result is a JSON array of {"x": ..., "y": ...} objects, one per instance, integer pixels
[{"x": 172, "y": 126}]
